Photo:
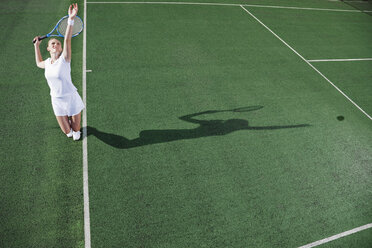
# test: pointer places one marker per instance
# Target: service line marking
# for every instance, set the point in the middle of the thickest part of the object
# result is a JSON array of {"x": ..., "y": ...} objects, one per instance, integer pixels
[{"x": 321, "y": 74}]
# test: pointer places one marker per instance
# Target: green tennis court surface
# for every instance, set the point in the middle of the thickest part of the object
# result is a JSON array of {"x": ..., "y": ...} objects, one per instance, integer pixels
[{"x": 170, "y": 163}]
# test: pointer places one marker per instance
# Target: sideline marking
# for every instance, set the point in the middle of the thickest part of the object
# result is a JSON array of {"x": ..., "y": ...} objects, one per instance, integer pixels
[
  {"x": 169, "y": 3},
  {"x": 85, "y": 137},
  {"x": 337, "y": 60},
  {"x": 353, "y": 1},
  {"x": 321, "y": 74},
  {"x": 231, "y": 4},
  {"x": 337, "y": 236}
]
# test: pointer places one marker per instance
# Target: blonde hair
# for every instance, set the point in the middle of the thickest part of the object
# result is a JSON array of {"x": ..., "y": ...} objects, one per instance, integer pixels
[{"x": 54, "y": 39}]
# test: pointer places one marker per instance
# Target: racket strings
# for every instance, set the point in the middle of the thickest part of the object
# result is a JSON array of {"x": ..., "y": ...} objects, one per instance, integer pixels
[{"x": 76, "y": 28}]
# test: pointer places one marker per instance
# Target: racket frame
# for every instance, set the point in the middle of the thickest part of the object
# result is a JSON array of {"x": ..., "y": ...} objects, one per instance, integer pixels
[{"x": 58, "y": 33}]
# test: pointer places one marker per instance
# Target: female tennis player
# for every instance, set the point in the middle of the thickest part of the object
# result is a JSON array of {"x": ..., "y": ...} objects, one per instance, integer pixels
[{"x": 66, "y": 101}]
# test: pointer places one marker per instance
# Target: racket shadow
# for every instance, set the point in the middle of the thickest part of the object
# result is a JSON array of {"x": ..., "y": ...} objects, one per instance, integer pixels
[{"x": 206, "y": 128}]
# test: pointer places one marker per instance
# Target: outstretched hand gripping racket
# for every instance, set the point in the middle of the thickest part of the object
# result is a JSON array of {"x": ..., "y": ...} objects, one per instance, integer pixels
[{"x": 61, "y": 27}]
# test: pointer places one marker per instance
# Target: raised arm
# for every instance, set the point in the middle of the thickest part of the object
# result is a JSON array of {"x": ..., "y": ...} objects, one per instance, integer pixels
[
  {"x": 38, "y": 58},
  {"x": 72, "y": 12}
]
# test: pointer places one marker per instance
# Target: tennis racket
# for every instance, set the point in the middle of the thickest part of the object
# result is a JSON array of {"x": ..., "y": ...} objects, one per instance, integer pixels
[{"x": 61, "y": 27}]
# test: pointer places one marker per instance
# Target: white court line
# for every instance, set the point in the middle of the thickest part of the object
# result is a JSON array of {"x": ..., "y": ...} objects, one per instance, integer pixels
[
  {"x": 354, "y": 1},
  {"x": 348, "y": 1},
  {"x": 85, "y": 138},
  {"x": 169, "y": 3},
  {"x": 321, "y": 74},
  {"x": 337, "y": 60},
  {"x": 228, "y": 4},
  {"x": 340, "y": 235},
  {"x": 85, "y": 151}
]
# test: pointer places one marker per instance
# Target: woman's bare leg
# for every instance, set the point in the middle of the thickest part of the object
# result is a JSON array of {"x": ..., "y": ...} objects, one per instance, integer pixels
[
  {"x": 75, "y": 122},
  {"x": 64, "y": 124}
]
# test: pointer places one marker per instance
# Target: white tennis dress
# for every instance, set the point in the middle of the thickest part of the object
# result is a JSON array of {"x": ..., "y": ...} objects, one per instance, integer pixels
[{"x": 65, "y": 98}]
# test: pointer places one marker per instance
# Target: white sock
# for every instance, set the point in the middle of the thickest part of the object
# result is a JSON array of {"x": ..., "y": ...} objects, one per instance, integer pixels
[
  {"x": 70, "y": 133},
  {"x": 76, "y": 135}
]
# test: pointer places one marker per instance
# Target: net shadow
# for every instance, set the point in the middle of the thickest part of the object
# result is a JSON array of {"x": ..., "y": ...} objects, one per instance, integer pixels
[{"x": 364, "y": 6}]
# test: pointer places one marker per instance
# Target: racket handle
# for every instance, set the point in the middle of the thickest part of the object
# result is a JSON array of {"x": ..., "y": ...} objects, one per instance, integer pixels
[
  {"x": 40, "y": 38},
  {"x": 43, "y": 37}
]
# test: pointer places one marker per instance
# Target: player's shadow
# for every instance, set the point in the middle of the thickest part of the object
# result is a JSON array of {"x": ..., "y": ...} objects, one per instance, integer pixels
[{"x": 206, "y": 128}]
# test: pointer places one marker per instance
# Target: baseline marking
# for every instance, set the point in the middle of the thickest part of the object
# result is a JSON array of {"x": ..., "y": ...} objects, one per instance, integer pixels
[
  {"x": 228, "y": 4},
  {"x": 334, "y": 237},
  {"x": 337, "y": 60},
  {"x": 85, "y": 137},
  {"x": 321, "y": 74}
]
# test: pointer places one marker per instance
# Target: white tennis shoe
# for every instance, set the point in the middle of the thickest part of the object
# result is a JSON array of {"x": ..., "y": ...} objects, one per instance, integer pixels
[
  {"x": 69, "y": 135},
  {"x": 76, "y": 135}
]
